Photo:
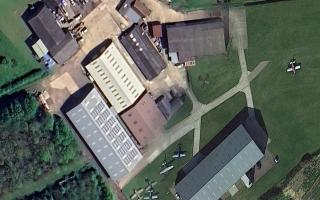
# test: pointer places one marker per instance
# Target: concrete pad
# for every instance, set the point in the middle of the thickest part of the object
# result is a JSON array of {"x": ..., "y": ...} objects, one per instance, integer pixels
[
  {"x": 238, "y": 27},
  {"x": 65, "y": 81}
]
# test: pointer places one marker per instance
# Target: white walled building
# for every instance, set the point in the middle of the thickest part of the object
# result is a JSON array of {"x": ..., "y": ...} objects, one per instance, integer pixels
[{"x": 115, "y": 78}]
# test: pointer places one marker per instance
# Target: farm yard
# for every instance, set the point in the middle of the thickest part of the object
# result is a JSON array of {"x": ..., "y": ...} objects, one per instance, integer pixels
[{"x": 289, "y": 103}]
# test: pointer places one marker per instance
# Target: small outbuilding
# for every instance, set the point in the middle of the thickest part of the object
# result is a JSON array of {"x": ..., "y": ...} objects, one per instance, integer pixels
[{"x": 169, "y": 103}]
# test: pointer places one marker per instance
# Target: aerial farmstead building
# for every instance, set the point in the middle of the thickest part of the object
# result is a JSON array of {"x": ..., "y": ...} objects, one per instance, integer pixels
[
  {"x": 142, "y": 51},
  {"x": 102, "y": 130},
  {"x": 61, "y": 45},
  {"x": 188, "y": 40},
  {"x": 144, "y": 120},
  {"x": 227, "y": 158},
  {"x": 115, "y": 78}
]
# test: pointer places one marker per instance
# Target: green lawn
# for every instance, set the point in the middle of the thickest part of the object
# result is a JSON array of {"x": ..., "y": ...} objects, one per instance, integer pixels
[
  {"x": 290, "y": 104},
  {"x": 181, "y": 114},
  {"x": 13, "y": 33},
  {"x": 214, "y": 75},
  {"x": 39, "y": 185},
  {"x": 189, "y": 5},
  {"x": 153, "y": 169},
  {"x": 216, "y": 119}
]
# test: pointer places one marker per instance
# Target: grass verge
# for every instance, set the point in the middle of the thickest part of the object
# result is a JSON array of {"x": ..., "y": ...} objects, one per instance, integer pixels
[
  {"x": 216, "y": 119},
  {"x": 190, "y": 5}
]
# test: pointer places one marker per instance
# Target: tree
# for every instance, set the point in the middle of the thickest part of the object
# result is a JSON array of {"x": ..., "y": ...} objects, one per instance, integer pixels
[
  {"x": 45, "y": 156},
  {"x": 47, "y": 121}
]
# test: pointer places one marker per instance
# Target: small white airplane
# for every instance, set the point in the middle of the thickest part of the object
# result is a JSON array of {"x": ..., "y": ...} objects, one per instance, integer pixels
[
  {"x": 151, "y": 196},
  {"x": 150, "y": 184},
  {"x": 166, "y": 166},
  {"x": 136, "y": 194},
  {"x": 293, "y": 66},
  {"x": 179, "y": 153},
  {"x": 165, "y": 170}
]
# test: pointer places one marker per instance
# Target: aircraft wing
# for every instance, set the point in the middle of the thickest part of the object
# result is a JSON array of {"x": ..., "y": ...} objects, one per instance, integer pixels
[
  {"x": 166, "y": 169},
  {"x": 289, "y": 69},
  {"x": 298, "y": 67}
]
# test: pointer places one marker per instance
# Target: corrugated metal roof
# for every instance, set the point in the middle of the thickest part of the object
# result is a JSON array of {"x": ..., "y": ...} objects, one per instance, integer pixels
[
  {"x": 60, "y": 45},
  {"x": 193, "y": 39},
  {"x": 142, "y": 51},
  {"x": 141, "y": 8},
  {"x": 105, "y": 136},
  {"x": 132, "y": 15},
  {"x": 115, "y": 78},
  {"x": 39, "y": 48},
  {"x": 144, "y": 119},
  {"x": 211, "y": 176}
]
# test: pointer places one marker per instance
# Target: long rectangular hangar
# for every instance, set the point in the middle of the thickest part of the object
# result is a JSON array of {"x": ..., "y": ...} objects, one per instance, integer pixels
[
  {"x": 225, "y": 159},
  {"x": 115, "y": 78},
  {"x": 188, "y": 40},
  {"x": 142, "y": 51},
  {"x": 105, "y": 134}
]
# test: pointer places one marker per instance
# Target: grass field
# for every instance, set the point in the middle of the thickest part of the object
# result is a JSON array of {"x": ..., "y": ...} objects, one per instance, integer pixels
[
  {"x": 13, "y": 33},
  {"x": 181, "y": 114},
  {"x": 214, "y": 75},
  {"x": 188, "y": 5},
  {"x": 290, "y": 104},
  {"x": 216, "y": 119},
  {"x": 153, "y": 169}
]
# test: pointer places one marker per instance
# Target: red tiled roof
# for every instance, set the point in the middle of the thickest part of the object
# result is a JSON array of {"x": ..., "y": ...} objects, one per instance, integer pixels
[{"x": 144, "y": 120}]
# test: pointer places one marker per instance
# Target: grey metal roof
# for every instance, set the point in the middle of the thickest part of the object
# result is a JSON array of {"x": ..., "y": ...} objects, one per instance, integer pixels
[
  {"x": 105, "y": 135},
  {"x": 194, "y": 39},
  {"x": 214, "y": 174},
  {"x": 126, "y": 10},
  {"x": 142, "y": 51},
  {"x": 65, "y": 50},
  {"x": 60, "y": 45},
  {"x": 132, "y": 15}
]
